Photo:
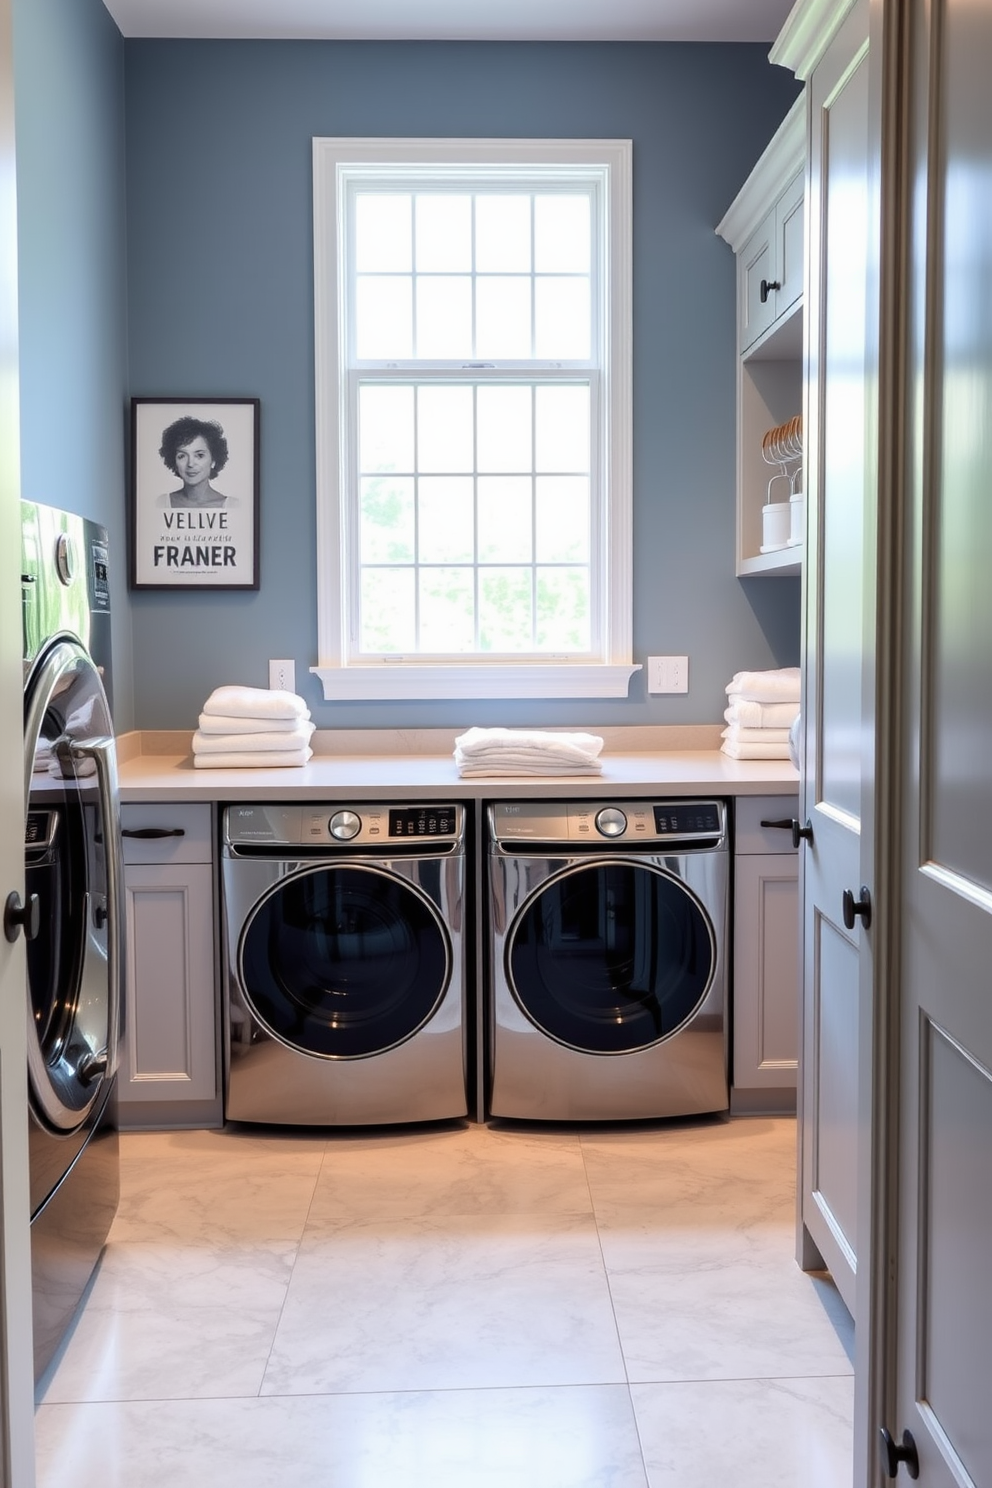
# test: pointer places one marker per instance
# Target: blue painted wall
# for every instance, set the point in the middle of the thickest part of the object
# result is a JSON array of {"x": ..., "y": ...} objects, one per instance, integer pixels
[
  {"x": 219, "y": 222},
  {"x": 69, "y": 101}
]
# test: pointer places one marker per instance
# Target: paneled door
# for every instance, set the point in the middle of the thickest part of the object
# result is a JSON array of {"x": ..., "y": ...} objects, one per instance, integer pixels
[
  {"x": 838, "y": 609},
  {"x": 943, "y": 1314},
  {"x": 16, "y": 1404}
]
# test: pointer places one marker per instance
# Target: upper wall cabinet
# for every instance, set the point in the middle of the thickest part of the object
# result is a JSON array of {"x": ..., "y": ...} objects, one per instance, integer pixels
[
  {"x": 764, "y": 227},
  {"x": 770, "y": 266}
]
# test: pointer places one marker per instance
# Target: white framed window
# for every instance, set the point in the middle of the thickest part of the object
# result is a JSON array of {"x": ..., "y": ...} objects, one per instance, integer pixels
[{"x": 473, "y": 363}]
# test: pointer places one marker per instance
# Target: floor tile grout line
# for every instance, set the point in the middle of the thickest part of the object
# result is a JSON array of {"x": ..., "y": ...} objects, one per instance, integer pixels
[
  {"x": 627, "y": 1386},
  {"x": 289, "y": 1280}
]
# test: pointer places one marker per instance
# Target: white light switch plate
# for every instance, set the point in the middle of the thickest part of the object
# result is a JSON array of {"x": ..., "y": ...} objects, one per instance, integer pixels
[
  {"x": 282, "y": 676},
  {"x": 668, "y": 674}
]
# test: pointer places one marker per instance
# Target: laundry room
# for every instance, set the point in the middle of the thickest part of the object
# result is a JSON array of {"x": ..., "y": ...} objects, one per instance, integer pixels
[{"x": 455, "y": 1093}]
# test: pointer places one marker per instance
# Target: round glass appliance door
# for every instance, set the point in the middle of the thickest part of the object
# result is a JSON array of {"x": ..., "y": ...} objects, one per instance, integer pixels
[
  {"x": 343, "y": 962},
  {"x": 609, "y": 958},
  {"x": 71, "y": 864}
]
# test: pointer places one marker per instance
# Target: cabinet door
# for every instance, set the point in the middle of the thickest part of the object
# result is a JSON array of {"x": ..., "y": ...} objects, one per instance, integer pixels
[
  {"x": 169, "y": 1046},
  {"x": 838, "y": 632},
  {"x": 766, "y": 972},
  {"x": 756, "y": 266},
  {"x": 789, "y": 241}
]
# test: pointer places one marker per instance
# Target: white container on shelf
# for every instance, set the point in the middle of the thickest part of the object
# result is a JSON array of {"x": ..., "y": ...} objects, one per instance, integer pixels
[
  {"x": 797, "y": 518},
  {"x": 776, "y": 519}
]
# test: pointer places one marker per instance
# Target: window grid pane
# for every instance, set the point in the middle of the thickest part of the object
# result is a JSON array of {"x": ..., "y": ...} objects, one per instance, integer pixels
[
  {"x": 455, "y": 248},
  {"x": 446, "y": 530}
]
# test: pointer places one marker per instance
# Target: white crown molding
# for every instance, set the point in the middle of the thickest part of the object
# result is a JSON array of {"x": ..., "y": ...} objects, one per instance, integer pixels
[
  {"x": 810, "y": 27},
  {"x": 782, "y": 159}
]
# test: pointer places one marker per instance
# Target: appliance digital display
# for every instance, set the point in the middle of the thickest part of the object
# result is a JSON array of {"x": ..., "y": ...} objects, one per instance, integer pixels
[
  {"x": 422, "y": 821},
  {"x": 685, "y": 818}
]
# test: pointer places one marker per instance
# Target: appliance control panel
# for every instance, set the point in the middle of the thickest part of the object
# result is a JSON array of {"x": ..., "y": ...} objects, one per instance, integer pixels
[
  {"x": 329, "y": 824},
  {"x": 602, "y": 822}
]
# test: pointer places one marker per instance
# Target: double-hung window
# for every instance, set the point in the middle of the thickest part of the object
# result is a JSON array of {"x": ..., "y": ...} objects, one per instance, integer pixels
[{"x": 472, "y": 314}]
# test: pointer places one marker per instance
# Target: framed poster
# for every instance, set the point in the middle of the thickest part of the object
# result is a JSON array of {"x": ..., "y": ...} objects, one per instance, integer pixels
[{"x": 194, "y": 493}]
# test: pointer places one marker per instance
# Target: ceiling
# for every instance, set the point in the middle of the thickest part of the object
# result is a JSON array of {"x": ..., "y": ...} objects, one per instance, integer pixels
[{"x": 455, "y": 20}]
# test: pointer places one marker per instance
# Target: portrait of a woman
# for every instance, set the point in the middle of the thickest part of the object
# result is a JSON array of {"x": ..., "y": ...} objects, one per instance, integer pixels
[
  {"x": 195, "y": 475},
  {"x": 196, "y": 451}
]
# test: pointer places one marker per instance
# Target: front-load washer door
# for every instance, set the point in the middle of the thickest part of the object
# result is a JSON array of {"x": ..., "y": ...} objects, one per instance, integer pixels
[
  {"x": 344, "y": 961},
  {"x": 611, "y": 957},
  {"x": 73, "y": 866}
]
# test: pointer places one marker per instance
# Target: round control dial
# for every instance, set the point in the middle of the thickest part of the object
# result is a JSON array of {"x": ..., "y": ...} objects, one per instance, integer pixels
[
  {"x": 611, "y": 822},
  {"x": 344, "y": 825}
]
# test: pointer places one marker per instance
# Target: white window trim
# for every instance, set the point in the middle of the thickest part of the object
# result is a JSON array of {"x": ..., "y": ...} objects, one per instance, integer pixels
[{"x": 414, "y": 679}]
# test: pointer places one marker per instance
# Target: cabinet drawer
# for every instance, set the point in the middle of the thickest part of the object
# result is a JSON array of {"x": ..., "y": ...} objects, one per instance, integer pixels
[
  {"x": 188, "y": 827},
  {"x": 751, "y": 836}
]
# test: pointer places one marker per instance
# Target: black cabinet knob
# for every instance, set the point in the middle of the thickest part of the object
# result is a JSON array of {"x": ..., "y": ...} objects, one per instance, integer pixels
[
  {"x": 18, "y": 917},
  {"x": 789, "y": 824},
  {"x": 766, "y": 287},
  {"x": 891, "y": 1454},
  {"x": 853, "y": 908}
]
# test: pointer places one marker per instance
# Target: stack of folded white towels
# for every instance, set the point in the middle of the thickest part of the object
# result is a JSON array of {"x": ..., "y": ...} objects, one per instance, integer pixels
[
  {"x": 763, "y": 706},
  {"x": 501, "y": 751},
  {"x": 252, "y": 728}
]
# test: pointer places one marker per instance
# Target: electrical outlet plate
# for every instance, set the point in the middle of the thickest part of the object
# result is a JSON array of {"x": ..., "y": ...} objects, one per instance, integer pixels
[
  {"x": 282, "y": 676},
  {"x": 668, "y": 674}
]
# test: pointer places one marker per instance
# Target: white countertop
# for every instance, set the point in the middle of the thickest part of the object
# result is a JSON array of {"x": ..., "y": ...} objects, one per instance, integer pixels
[{"x": 408, "y": 764}]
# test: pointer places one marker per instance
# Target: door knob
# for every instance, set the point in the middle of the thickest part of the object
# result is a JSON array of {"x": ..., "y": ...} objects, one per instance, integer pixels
[
  {"x": 18, "y": 917},
  {"x": 791, "y": 825},
  {"x": 890, "y": 1454},
  {"x": 766, "y": 287},
  {"x": 854, "y": 907}
]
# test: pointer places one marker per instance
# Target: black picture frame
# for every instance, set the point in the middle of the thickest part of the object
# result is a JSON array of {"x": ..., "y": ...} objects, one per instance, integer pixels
[{"x": 185, "y": 531}]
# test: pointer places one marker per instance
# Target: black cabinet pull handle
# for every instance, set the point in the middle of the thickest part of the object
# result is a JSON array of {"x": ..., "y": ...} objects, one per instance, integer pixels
[
  {"x": 789, "y": 824},
  {"x": 890, "y": 1454},
  {"x": 766, "y": 287},
  {"x": 153, "y": 833},
  {"x": 852, "y": 907},
  {"x": 18, "y": 917}
]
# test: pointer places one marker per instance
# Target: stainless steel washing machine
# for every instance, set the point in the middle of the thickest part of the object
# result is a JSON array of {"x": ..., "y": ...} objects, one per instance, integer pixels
[
  {"x": 344, "y": 963},
  {"x": 607, "y": 959},
  {"x": 74, "y": 914}
]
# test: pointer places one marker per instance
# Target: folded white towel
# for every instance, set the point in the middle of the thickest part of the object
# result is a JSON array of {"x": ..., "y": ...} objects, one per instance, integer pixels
[
  {"x": 781, "y": 686},
  {"x": 255, "y": 702},
  {"x": 84, "y": 765},
  {"x": 738, "y": 735},
  {"x": 500, "y": 751},
  {"x": 557, "y": 745},
  {"x": 247, "y": 760},
  {"x": 760, "y": 715},
  {"x": 261, "y": 743},
  {"x": 80, "y": 721},
  {"x": 504, "y": 763},
  {"x": 755, "y": 751},
  {"x": 42, "y": 756},
  {"x": 229, "y": 723}
]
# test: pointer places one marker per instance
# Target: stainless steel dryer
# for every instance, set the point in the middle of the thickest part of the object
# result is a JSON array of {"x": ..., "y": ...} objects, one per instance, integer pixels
[
  {"x": 607, "y": 959},
  {"x": 73, "y": 916},
  {"x": 344, "y": 963}
]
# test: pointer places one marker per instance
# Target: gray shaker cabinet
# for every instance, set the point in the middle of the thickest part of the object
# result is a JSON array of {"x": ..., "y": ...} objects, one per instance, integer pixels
[
  {"x": 766, "y": 956},
  {"x": 168, "y": 1074}
]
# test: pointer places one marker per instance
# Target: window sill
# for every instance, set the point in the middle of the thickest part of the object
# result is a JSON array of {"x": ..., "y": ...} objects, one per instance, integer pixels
[{"x": 445, "y": 682}]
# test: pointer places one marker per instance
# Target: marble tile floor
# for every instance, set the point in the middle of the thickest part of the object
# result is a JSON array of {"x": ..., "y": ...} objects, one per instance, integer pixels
[{"x": 454, "y": 1307}]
